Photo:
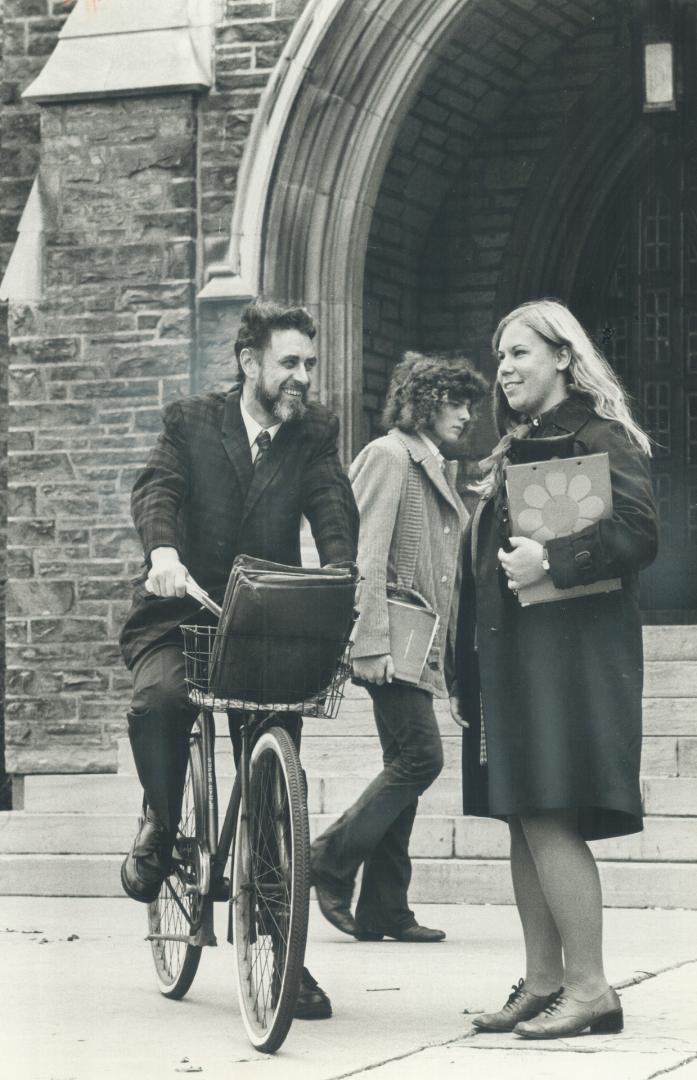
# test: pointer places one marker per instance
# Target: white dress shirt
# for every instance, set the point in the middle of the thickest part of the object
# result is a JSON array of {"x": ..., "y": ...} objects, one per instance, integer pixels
[{"x": 253, "y": 428}]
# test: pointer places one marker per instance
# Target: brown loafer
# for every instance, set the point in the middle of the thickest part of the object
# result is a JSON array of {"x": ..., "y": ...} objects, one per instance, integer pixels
[
  {"x": 565, "y": 1016},
  {"x": 521, "y": 1005}
]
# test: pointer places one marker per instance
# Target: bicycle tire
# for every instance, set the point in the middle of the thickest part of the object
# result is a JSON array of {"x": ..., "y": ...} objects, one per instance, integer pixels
[
  {"x": 271, "y": 891},
  {"x": 178, "y": 911}
]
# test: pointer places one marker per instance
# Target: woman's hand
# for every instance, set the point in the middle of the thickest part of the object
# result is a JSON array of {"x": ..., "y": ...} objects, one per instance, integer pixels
[
  {"x": 523, "y": 565},
  {"x": 456, "y": 706},
  {"x": 374, "y": 669}
]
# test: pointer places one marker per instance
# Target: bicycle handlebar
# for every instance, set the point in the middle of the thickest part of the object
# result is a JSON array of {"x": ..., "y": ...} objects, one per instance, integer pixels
[{"x": 196, "y": 593}]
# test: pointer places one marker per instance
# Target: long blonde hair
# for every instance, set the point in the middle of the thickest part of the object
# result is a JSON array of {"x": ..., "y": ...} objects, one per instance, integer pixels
[
  {"x": 588, "y": 373},
  {"x": 588, "y": 369}
]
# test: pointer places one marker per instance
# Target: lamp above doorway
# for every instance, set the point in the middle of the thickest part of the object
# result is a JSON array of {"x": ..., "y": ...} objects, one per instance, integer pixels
[{"x": 658, "y": 56}]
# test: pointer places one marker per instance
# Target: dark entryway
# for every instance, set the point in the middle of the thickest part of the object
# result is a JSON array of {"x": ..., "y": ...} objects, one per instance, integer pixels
[{"x": 640, "y": 294}]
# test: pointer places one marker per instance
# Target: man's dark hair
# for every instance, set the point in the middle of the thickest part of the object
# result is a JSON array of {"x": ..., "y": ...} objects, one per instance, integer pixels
[
  {"x": 262, "y": 317},
  {"x": 421, "y": 383}
]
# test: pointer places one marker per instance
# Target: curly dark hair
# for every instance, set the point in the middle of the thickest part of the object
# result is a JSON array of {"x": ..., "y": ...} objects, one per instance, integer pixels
[
  {"x": 422, "y": 382},
  {"x": 262, "y": 317}
]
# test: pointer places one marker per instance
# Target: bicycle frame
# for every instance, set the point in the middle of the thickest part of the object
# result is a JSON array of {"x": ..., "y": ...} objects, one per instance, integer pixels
[{"x": 217, "y": 847}]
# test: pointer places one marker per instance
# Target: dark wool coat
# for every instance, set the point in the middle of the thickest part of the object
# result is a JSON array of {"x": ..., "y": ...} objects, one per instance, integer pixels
[
  {"x": 560, "y": 683},
  {"x": 200, "y": 493}
]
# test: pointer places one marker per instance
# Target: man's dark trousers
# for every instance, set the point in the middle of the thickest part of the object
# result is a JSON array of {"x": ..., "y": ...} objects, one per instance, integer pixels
[
  {"x": 376, "y": 830},
  {"x": 159, "y": 722}
]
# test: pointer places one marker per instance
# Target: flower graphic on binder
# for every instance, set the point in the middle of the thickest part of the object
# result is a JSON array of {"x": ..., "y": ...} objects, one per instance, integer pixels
[
  {"x": 556, "y": 498},
  {"x": 559, "y": 506}
]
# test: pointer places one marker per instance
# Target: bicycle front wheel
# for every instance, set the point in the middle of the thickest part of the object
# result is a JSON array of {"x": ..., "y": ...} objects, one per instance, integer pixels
[
  {"x": 177, "y": 913},
  {"x": 271, "y": 890}
]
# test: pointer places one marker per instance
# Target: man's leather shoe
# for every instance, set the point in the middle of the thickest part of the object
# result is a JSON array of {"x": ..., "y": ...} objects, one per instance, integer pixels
[
  {"x": 415, "y": 934},
  {"x": 312, "y": 1003},
  {"x": 566, "y": 1016},
  {"x": 147, "y": 863},
  {"x": 521, "y": 1005},
  {"x": 335, "y": 908}
]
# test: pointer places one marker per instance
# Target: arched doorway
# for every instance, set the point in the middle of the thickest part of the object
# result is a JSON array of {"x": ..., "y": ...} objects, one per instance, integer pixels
[{"x": 638, "y": 289}]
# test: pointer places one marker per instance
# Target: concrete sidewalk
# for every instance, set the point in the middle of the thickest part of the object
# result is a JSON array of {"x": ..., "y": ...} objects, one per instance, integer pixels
[{"x": 80, "y": 1002}]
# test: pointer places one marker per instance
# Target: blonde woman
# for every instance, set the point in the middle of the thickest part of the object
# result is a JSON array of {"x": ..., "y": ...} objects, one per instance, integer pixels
[{"x": 551, "y": 697}]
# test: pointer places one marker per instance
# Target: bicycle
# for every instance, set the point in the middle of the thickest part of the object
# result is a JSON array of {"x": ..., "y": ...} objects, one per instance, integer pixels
[{"x": 265, "y": 828}]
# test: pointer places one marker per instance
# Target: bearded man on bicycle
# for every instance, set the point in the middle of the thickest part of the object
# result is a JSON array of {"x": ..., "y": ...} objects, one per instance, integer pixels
[{"x": 231, "y": 473}]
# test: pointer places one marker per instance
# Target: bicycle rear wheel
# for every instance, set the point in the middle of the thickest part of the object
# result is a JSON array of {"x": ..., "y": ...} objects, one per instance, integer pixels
[
  {"x": 177, "y": 913},
  {"x": 271, "y": 890}
]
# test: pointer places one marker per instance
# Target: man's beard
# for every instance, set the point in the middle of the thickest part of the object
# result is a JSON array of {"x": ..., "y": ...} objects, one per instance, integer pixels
[{"x": 281, "y": 405}]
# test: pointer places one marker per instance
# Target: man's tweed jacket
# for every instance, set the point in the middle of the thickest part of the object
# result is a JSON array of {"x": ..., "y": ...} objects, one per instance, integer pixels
[{"x": 200, "y": 493}]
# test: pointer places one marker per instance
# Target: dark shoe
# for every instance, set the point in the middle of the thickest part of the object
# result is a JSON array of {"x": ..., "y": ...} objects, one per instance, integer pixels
[
  {"x": 147, "y": 864},
  {"x": 521, "y": 1005},
  {"x": 415, "y": 934},
  {"x": 312, "y": 1003},
  {"x": 335, "y": 908},
  {"x": 565, "y": 1016}
]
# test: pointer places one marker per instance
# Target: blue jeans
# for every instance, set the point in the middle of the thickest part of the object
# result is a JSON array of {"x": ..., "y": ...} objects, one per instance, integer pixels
[{"x": 376, "y": 830}]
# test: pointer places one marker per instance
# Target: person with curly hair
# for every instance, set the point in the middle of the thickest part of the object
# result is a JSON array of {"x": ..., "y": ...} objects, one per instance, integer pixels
[{"x": 411, "y": 525}]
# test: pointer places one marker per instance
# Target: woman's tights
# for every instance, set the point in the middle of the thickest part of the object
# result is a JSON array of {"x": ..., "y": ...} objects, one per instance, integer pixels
[{"x": 557, "y": 892}]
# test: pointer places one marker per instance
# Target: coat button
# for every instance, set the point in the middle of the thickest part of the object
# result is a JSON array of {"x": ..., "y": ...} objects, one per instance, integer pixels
[
  {"x": 446, "y": 530},
  {"x": 444, "y": 578}
]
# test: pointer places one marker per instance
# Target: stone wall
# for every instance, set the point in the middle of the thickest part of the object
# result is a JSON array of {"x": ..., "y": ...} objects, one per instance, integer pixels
[
  {"x": 28, "y": 30},
  {"x": 91, "y": 368},
  {"x": 248, "y": 45},
  {"x": 138, "y": 194}
]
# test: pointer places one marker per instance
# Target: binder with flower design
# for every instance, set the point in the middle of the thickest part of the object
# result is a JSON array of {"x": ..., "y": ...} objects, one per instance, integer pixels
[{"x": 547, "y": 499}]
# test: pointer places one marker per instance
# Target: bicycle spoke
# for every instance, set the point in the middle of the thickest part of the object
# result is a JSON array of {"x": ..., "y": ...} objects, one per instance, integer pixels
[{"x": 264, "y": 896}]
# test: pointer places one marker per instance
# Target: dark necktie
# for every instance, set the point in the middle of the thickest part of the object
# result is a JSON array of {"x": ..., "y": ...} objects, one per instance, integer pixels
[{"x": 263, "y": 441}]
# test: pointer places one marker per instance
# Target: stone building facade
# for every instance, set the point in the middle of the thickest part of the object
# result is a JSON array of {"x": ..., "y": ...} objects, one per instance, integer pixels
[{"x": 409, "y": 171}]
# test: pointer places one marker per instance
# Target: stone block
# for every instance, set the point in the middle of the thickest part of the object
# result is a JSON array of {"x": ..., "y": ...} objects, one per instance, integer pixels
[
  {"x": 73, "y": 499},
  {"x": 53, "y": 414},
  {"x": 41, "y": 466},
  {"x": 687, "y": 757},
  {"x": 153, "y": 359},
  {"x": 31, "y": 533},
  {"x": 21, "y": 501},
  {"x": 50, "y": 350},
  {"x": 670, "y": 678},
  {"x": 35, "y": 712},
  {"x": 116, "y": 542},
  {"x": 670, "y": 796},
  {"x": 105, "y": 589},
  {"x": 161, "y": 295},
  {"x": 32, "y": 598},
  {"x": 20, "y": 563},
  {"x": 68, "y": 630}
]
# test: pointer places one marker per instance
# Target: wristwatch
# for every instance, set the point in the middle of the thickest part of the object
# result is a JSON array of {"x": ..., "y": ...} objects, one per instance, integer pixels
[{"x": 545, "y": 560}]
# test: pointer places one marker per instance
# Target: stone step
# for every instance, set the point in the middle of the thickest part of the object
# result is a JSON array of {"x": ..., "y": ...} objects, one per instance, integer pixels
[
  {"x": 113, "y": 793},
  {"x": 662, "y": 755},
  {"x": 443, "y": 881},
  {"x": 664, "y": 839},
  {"x": 670, "y": 642},
  {"x": 670, "y": 678}
]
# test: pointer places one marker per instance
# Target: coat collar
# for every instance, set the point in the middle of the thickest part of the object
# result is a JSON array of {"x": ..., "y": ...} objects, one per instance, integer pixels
[
  {"x": 568, "y": 416},
  {"x": 442, "y": 479}
]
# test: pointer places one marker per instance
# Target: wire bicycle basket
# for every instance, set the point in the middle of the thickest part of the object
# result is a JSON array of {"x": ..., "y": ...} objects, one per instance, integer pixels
[{"x": 285, "y": 675}]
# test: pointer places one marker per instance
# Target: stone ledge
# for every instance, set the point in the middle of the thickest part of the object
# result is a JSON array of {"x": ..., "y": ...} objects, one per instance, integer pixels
[{"x": 169, "y": 44}]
